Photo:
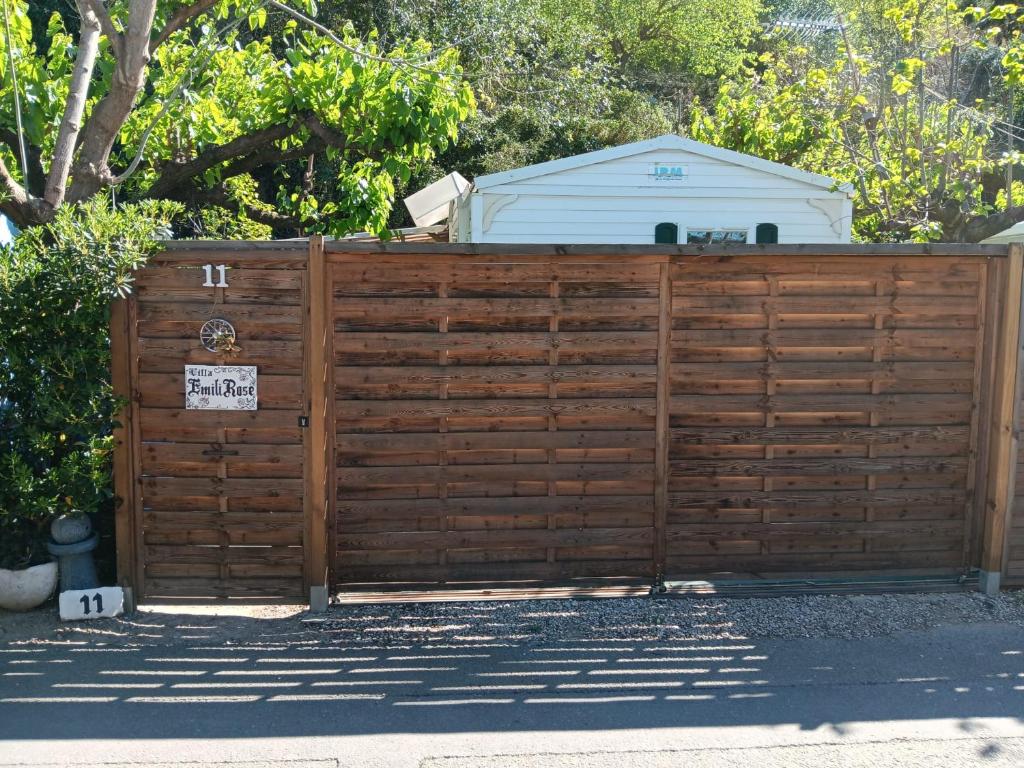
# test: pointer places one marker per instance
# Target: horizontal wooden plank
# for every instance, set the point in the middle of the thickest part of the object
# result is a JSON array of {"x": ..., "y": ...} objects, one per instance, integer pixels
[
  {"x": 251, "y": 321},
  {"x": 806, "y": 466},
  {"x": 442, "y": 271},
  {"x": 435, "y": 307},
  {"x": 364, "y": 476},
  {"x": 244, "y": 278},
  {"x": 208, "y": 460},
  {"x": 486, "y": 573},
  {"x": 923, "y": 403},
  {"x": 480, "y": 441},
  {"x": 233, "y": 587},
  {"x": 201, "y": 311},
  {"x": 820, "y": 320},
  {"x": 218, "y": 486},
  {"x": 217, "y": 453},
  {"x": 680, "y": 533},
  {"x": 435, "y": 375},
  {"x": 825, "y": 435},
  {"x": 893, "y": 304},
  {"x": 681, "y": 566},
  {"x": 569, "y": 341},
  {"x": 496, "y": 456},
  {"x": 495, "y": 539},
  {"x": 407, "y": 509},
  {"x": 825, "y": 337},
  {"x": 230, "y": 555},
  {"x": 591, "y": 407},
  {"x": 167, "y": 390},
  {"x": 171, "y": 355},
  {"x": 788, "y": 498},
  {"x": 157, "y": 418}
]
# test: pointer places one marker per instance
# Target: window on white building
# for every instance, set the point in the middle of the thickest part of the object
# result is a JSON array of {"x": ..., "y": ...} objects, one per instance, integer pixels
[{"x": 715, "y": 236}]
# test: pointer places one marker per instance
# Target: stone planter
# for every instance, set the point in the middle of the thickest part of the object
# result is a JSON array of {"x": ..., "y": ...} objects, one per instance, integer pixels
[{"x": 25, "y": 589}]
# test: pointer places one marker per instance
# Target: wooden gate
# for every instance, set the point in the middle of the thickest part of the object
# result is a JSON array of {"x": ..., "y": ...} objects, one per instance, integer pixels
[
  {"x": 434, "y": 414},
  {"x": 826, "y": 413},
  {"x": 495, "y": 417},
  {"x": 216, "y": 508}
]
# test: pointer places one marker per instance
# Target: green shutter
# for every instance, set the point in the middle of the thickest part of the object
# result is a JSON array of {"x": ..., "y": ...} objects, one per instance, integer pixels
[
  {"x": 767, "y": 233},
  {"x": 666, "y": 233}
]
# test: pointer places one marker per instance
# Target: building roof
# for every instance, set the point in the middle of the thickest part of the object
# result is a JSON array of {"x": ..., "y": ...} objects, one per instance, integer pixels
[
  {"x": 666, "y": 142},
  {"x": 436, "y": 233},
  {"x": 1014, "y": 234}
]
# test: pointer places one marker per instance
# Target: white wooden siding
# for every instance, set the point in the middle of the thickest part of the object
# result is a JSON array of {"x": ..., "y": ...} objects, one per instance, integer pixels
[
  {"x": 556, "y": 219},
  {"x": 618, "y": 201}
]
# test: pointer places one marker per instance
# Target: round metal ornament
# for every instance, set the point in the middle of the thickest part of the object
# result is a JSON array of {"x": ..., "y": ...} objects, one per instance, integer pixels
[{"x": 218, "y": 335}]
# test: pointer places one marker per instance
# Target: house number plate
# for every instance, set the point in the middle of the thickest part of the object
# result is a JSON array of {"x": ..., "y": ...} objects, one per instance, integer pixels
[{"x": 99, "y": 603}]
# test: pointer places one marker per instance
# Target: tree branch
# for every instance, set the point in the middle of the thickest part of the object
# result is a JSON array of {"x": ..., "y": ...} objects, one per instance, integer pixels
[
  {"x": 18, "y": 205},
  {"x": 977, "y": 228},
  {"x": 329, "y": 135},
  {"x": 108, "y": 116},
  {"x": 74, "y": 108},
  {"x": 176, "y": 174},
  {"x": 220, "y": 196},
  {"x": 107, "y": 25},
  {"x": 272, "y": 155},
  {"x": 181, "y": 18}
]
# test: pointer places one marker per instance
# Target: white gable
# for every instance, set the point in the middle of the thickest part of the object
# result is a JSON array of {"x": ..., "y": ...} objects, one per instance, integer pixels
[
  {"x": 621, "y": 194},
  {"x": 663, "y": 165}
]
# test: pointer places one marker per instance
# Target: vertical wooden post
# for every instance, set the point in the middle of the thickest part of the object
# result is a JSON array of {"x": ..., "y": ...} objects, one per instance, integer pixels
[
  {"x": 121, "y": 366},
  {"x": 318, "y": 334},
  {"x": 1002, "y": 438},
  {"x": 661, "y": 425}
]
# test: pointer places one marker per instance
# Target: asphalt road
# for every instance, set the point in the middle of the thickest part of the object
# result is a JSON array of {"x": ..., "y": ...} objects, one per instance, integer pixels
[{"x": 952, "y": 696}]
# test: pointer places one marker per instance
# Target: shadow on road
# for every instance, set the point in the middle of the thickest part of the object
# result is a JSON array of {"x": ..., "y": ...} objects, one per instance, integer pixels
[{"x": 185, "y": 677}]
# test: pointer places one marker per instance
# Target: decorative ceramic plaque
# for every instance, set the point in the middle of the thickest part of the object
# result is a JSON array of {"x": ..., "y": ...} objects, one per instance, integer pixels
[{"x": 220, "y": 387}]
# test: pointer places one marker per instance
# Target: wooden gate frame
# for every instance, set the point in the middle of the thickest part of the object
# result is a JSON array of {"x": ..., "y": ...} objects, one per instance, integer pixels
[{"x": 1001, "y": 411}]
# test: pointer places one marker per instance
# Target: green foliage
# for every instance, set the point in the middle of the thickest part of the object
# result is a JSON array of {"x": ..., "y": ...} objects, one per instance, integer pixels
[
  {"x": 373, "y": 116},
  {"x": 545, "y": 83},
  {"x": 393, "y": 117},
  {"x": 695, "y": 37},
  {"x": 885, "y": 117},
  {"x": 215, "y": 223},
  {"x": 56, "y": 403},
  {"x": 42, "y": 83}
]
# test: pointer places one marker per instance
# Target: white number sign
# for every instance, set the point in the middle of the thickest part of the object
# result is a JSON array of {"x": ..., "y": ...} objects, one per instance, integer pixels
[
  {"x": 221, "y": 271},
  {"x": 99, "y": 603}
]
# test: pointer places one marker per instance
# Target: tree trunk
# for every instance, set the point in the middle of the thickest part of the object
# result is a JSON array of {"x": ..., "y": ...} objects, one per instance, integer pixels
[{"x": 71, "y": 122}]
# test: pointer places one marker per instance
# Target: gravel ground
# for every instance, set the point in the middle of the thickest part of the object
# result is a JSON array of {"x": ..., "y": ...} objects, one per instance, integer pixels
[
  {"x": 543, "y": 621},
  {"x": 526, "y": 621}
]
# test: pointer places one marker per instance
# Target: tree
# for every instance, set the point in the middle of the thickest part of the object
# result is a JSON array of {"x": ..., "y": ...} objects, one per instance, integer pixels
[
  {"x": 546, "y": 74},
  {"x": 165, "y": 99},
  {"x": 916, "y": 111},
  {"x": 673, "y": 38}
]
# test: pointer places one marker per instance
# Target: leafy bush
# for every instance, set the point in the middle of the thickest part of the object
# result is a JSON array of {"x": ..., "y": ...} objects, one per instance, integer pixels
[{"x": 56, "y": 402}]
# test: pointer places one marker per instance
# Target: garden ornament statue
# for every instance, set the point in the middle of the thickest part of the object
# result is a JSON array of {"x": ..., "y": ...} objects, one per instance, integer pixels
[{"x": 72, "y": 545}]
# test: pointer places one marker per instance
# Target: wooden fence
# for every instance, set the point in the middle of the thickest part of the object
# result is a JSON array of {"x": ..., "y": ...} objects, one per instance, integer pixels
[{"x": 435, "y": 414}]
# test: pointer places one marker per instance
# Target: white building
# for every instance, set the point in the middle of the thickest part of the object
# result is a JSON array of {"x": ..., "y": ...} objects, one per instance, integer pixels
[
  {"x": 668, "y": 189},
  {"x": 1014, "y": 234},
  {"x": 7, "y": 230}
]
